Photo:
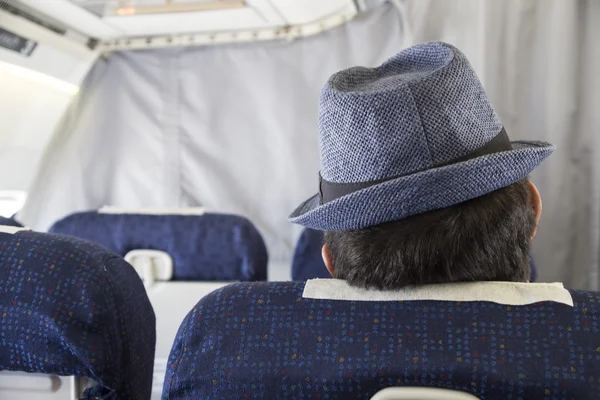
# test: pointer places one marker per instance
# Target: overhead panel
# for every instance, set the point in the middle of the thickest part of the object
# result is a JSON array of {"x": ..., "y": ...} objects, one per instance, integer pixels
[
  {"x": 134, "y": 18},
  {"x": 31, "y": 41},
  {"x": 118, "y": 23}
]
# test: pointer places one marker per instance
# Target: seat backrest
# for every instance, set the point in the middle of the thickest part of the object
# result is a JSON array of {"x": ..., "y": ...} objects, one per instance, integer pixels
[
  {"x": 324, "y": 338},
  {"x": 181, "y": 256},
  {"x": 195, "y": 240},
  {"x": 71, "y": 308},
  {"x": 308, "y": 263}
]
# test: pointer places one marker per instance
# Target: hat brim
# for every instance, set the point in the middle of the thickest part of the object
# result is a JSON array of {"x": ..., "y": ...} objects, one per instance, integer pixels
[{"x": 423, "y": 191}]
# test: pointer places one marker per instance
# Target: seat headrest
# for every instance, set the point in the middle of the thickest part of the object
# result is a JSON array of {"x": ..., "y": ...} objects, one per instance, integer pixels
[
  {"x": 206, "y": 247},
  {"x": 69, "y": 307},
  {"x": 307, "y": 262}
]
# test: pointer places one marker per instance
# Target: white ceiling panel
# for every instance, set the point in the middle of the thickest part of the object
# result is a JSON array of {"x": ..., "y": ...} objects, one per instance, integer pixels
[
  {"x": 188, "y": 22},
  {"x": 297, "y": 12},
  {"x": 267, "y": 11}
]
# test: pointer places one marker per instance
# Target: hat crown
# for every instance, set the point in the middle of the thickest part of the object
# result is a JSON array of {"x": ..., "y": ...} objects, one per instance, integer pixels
[{"x": 420, "y": 109}]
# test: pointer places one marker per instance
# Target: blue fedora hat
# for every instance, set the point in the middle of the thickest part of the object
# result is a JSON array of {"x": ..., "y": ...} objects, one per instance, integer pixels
[{"x": 416, "y": 134}]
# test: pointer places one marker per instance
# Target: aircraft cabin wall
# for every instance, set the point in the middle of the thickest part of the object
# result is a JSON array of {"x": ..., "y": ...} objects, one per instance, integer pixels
[{"x": 38, "y": 81}]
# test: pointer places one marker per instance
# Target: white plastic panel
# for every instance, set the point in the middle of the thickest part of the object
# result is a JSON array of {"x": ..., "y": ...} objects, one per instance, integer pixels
[
  {"x": 74, "y": 16},
  {"x": 70, "y": 68},
  {"x": 171, "y": 302},
  {"x": 16, "y": 385},
  {"x": 30, "y": 30},
  {"x": 187, "y": 22},
  {"x": 151, "y": 265},
  {"x": 267, "y": 11},
  {"x": 421, "y": 393},
  {"x": 22, "y": 381}
]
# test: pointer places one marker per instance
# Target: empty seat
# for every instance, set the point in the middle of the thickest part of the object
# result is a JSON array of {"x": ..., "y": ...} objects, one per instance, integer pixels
[
  {"x": 71, "y": 311},
  {"x": 326, "y": 339},
  {"x": 181, "y": 256},
  {"x": 308, "y": 264},
  {"x": 195, "y": 240}
]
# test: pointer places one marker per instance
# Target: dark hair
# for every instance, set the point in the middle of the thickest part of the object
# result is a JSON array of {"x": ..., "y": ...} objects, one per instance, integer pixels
[{"x": 484, "y": 239}]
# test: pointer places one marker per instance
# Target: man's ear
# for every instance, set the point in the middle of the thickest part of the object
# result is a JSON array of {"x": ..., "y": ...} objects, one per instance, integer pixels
[
  {"x": 536, "y": 203},
  {"x": 328, "y": 259}
]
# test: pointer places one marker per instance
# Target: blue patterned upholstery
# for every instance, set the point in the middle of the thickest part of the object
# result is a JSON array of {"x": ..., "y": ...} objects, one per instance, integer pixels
[
  {"x": 207, "y": 247},
  {"x": 308, "y": 264},
  {"x": 264, "y": 340},
  {"x": 9, "y": 222},
  {"x": 69, "y": 307}
]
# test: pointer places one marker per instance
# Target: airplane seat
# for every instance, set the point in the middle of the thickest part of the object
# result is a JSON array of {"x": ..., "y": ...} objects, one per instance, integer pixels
[
  {"x": 193, "y": 238},
  {"x": 181, "y": 255},
  {"x": 308, "y": 264},
  {"x": 4, "y": 221},
  {"x": 325, "y": 339},
  {"x": 75, "y": 321}
]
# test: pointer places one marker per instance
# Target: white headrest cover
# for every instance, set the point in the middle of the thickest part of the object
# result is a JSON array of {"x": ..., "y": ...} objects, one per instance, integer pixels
[
  {"x": 509, "y": 293},
  {"x": 152, "y": 211}
]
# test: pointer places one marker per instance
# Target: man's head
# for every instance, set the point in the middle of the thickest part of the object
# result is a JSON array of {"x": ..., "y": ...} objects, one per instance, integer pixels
[
  {"x": 484, "y": 239},
  {"x": 419, "y": 180}
]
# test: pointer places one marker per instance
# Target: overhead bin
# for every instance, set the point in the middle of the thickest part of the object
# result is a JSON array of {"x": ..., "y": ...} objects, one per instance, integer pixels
[{"x": 134, "y": 24}]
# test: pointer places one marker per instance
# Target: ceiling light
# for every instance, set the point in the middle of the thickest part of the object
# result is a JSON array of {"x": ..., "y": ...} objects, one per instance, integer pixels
[
  {"x": 125, "y": 11},
  {"x": 170, "y": 7}
]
